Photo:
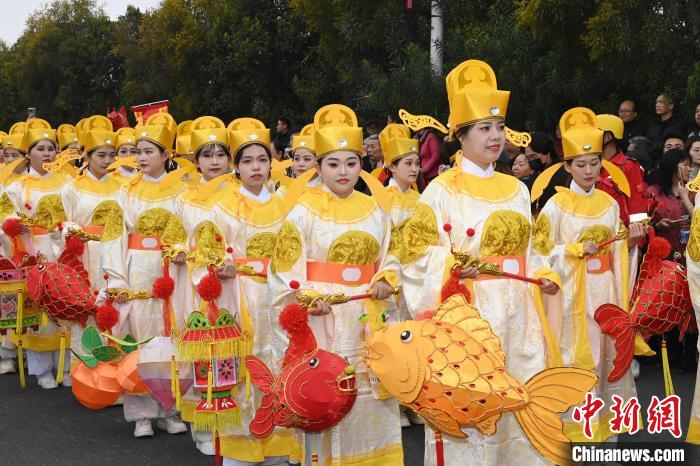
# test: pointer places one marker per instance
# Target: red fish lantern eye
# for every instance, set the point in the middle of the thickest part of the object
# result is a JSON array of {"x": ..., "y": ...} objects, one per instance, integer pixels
[
  {"x": 314, "y": 363},
  {"x": 42, "y": 267}
]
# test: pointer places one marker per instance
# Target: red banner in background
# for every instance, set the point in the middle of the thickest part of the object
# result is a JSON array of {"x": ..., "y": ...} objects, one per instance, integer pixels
[{"x": 142, "y": 112}]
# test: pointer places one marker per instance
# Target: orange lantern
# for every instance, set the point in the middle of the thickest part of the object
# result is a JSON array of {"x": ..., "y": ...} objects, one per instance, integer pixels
[
  {"x": 95, "y": 388},
  {"x": 128, "y": 377}
]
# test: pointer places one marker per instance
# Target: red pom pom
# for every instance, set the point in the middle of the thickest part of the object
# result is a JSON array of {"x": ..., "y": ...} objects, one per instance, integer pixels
[
  {"x": 209, "y": 287},
  {"x": 12, "y": 227},
  {"x": 218, "y": 238},
  {"x": 105, "y": 276},
  {"x": 106, "y": 317},
  {"x": 294, "y": 285},
  {"x": 454, "y": 286},
  {"x": 229, "y": 249},
  {"x": 447, "y": 227},
  {"x": 95, "y": 292},
  {"x": 659, "y": 248},
  {"x": 470, "y": 232},
  {"x": 294, "y": 319},
  {"x": 163, "y": 287},
  {"x": 28, "y": 206},
  {"x": 74, "y": 245},
  {"x": 59, "y": 226}
]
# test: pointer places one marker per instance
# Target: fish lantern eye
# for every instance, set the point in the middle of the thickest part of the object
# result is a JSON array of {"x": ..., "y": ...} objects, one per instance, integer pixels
[
  {"x": 313, "y": 363},
  {"x": 406, "y": 336},
  {"x": 41, "y": 267}
]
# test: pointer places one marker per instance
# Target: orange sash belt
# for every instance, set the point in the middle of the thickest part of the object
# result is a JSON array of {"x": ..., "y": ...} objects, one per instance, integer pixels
[
  {"x": 259, "y": 264},
  {"x": 92, "y": 229},
  {"x": 510, "y": 264},
  {"x": 343, "y": 274},
  {"x": 598, "y": 264},
  {"x": 144, "y": 242},
  {"x": 38, "y": 231}
]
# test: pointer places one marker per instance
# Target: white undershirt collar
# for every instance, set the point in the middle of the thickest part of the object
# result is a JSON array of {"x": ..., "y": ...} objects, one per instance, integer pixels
[
  {"x": 155, "y": 180},
  {"x": 473, "y": 169},
  {"x": 579, "y": 190},
  {"x": 262, "y": 198},
  {"x": 35, "y": 173}
]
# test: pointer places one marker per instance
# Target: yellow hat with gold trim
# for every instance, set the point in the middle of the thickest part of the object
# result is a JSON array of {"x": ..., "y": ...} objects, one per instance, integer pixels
[
  {"x": 579, "y": 133},
  {"x": 395, "y": 141},
  {"x": 38, "y": 130},
  {"x": 305, "y": 139},
  {"x": 336, "y": 129},
  {"x": 208, "y": 130},
  {"x": 183, "y": 144},
  {"x": 126, "y": 136},
  {"x": 245, "y": 131},
  {"x": 66, "y": 134},
  {"x": 98, "y": 132},
  {"x": 160, "y": 129},
  {"x": 15, "y": 137},
  {"x": 79, "y": 131},
  {"x": 612, "y": 123},
  {"x": 473, "y": 95},
  {"x": 2, "y": 136}
]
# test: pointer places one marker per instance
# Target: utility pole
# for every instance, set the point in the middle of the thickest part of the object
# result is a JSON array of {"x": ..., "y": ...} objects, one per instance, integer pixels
[{"x": 436, "y": 37}]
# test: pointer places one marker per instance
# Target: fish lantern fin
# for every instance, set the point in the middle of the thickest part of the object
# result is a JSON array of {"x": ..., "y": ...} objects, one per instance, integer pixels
[
  {"x": 260, "y": 374},
  {"x": 614, "y": 321},
  {"x": 488, "y": 425},
  {"x": 441, "y": 421},
  {"x": 263, "y": 424},
  {"x": 552, "y": 392}
]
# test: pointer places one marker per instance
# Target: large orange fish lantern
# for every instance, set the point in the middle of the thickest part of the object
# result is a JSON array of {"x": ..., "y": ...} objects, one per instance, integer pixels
[
  {"x": 315, "y": 389},
  {"x": 660, "y": 301},
  {"x": 450, "y": 369}
]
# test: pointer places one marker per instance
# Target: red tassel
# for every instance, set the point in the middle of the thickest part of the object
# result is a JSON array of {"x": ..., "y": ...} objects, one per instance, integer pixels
[
  {"x": 209, "y": 287},
  {"x": 659, "y": 248},
  {"x": 74, "y": 245},
  {"x": 454, "y": 286},
  {"x": 106, "y": 316}
]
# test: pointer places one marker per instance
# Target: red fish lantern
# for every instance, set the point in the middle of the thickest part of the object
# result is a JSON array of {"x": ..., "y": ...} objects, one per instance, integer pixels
[
  {"x": 315, "y": 389},
  {"x": 62, "y": 288},
  {"x": 660, "y": 301}
]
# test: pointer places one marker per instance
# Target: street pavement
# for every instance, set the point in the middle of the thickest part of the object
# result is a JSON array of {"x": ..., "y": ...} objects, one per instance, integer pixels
[{"x": 49, "y": 427}]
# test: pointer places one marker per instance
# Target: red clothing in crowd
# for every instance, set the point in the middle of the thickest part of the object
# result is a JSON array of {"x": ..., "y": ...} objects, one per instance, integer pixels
[
  {"x": 672, "y": 208},
  {"x": 635, "y": 177},
  {"x": 429, "y": 155}
]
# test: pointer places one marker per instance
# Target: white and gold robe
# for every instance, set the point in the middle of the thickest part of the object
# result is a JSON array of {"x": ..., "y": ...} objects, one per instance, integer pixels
[{"x": 692, "y": 257}]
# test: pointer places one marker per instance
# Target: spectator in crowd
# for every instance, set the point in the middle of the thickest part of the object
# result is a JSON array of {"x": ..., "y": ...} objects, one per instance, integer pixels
[
  {"x": 524, "y": 169},
  {"x": 667, "y": 120},
  {"x": 429, "y": 151},
  {"x": 642, "y": 150},
  {"x": 613, "y": 132},
  {"x": 372, "y": 128},
  {"x": 558, "y": 148},
  {"x": 696, "y": 131},
  {"x": 283, "y": 136},
  {"x": 512, "y": 151},
  {"x": 393, "y": 118},
  {"x": 674, "y": 203},
  {"x": 673, "y": 140},
  {"x": 633, "y": 127},
  {"x": 694, "y": 151},
  {"x": 374, "y": 152}
]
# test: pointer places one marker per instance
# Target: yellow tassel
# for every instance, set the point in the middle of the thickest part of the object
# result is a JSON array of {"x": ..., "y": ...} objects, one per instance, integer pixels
[
  {"x": 668, "y": 381},
  {"x": 220, "y": 421},
  {"x": 61, "y": 358},
  {"x": 247, "y": 385},
  {"x": 223, "y": 349},
  {"x": 44, "y": 320},
  {"x": 210, "y": 379},
  {"x": 178, "y": 395},
  {"x": 172, "y": 375},
  {"x": 18, "y": 331}
]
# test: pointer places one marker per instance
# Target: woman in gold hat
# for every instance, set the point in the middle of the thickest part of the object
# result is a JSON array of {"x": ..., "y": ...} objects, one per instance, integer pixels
[
  {"x": 303, "y": 159},
  {"x": 336, "y": 240},
  {"x": 474, "y": 210},
  {"x": 567, "y": 233},
  {"x": 126, "y": 153},
  {"x": 91, "y": 203},
  {"x": 153, "y": 245},
  {"x": 241, "y": 236},
  {"x": 36, "y": 196}
]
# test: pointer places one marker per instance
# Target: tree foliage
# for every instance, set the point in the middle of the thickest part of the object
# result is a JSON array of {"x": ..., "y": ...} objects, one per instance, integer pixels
[{"x": 264, "y": 58}]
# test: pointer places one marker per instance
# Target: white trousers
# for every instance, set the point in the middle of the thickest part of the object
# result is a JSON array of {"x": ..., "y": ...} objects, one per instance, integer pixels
[
  {"x": 144, "y": 406},
  {"x": 40, "y": 363}
]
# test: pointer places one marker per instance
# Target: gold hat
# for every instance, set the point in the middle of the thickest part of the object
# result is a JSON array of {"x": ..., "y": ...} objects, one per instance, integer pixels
[
  {"x": 79, "y": 131},
  {"x": 473, "y": 95},
  {"x": 38, "y": 130},
  {"x": 208, "y": 130},
  {"x": 418, "y": 122},
  {"x": 15, "y": 137},
  {"x": 395, "y": 141},
  {"x": 183, "y": 144},
  {"x": 160, "y": 129},
  {"x": 336, "y": 129},
  {"x": 245, "y": 131},
  {"x": 2, "y": 135},
  {"x": 612, "y": 123},
  {"x": 305, "y": 139},
  {"x": 66, "y": 134},
  {"x": 98, "y": 132},
  {"x": 579, "y": 133},
  {"x": 126, "y": 136}
]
